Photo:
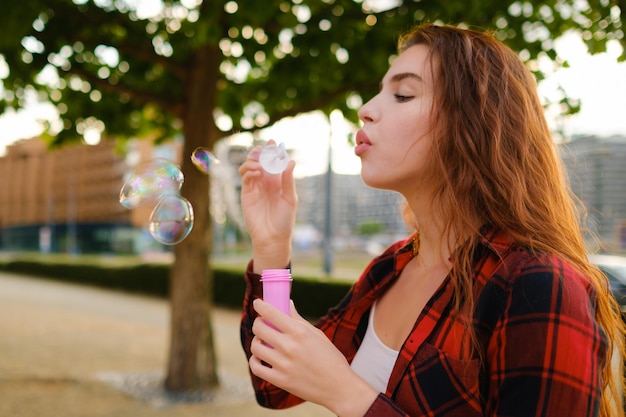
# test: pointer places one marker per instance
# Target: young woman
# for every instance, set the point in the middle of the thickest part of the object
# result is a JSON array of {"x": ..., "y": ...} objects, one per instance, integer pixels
[{"x": 490, "y": 308}]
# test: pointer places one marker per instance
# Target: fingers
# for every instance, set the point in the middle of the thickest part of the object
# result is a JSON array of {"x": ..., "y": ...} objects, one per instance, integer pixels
[
  {"x": 251, "y": 162},
  {"x": 251, "y": 169},
  {"x": 273, "y": 325},
  {"x": 288, "y": 183},
  {"x": 254, "y": 153},
  {"x": 268, "y": 313},
  {"x": 258, "y": 366},
  {"x": 264, "y": 370},
  {"x": 264, "y": 355},
  {"x": 260, "y": 349}
]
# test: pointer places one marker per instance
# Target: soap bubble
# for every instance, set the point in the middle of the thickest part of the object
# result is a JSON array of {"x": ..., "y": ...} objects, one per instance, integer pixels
[
  {"x": 274, "y": 158},
  {"x": 149, "y": 181},
  {"x": 171, "y": 219},
  {"x": 158, "y": 182},
  {"x": 203, "y": 159}
]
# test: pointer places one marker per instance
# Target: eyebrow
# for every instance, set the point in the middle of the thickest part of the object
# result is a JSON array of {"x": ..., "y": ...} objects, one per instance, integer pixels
[{"x": 396, "y": 78}]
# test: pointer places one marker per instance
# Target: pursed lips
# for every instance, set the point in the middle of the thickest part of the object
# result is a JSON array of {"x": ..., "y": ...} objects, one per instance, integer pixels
[{"x": 362, "y": 143}]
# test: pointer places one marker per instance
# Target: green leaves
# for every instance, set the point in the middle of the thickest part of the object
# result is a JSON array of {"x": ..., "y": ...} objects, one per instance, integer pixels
[{"x": 278, "y": 57}]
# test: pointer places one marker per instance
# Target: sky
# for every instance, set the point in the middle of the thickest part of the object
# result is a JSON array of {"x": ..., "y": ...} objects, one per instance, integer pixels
[{"x": 598, "y": 81}]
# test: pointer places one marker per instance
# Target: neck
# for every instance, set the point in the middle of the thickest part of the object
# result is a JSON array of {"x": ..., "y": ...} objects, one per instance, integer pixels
[
  {"x": 435, "y": 245},
  {"x": 433, "y": 248}
]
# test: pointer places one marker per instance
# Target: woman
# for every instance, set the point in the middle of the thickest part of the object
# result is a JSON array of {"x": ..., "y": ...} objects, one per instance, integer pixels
[{"x": 490, "y": 308}]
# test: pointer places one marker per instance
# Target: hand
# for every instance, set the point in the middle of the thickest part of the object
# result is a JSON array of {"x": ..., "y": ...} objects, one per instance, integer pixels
[
  {"x": 269, "y": 204},
  {"x": 294, "y": 355}
]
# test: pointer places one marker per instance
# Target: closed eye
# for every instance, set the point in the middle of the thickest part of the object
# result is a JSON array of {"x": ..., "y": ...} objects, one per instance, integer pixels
[{"x": 401, "y": 98}]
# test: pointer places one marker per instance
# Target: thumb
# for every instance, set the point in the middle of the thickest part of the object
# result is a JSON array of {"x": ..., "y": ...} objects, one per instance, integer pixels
[
  {"x": 288, "y": 182},
  {"x": 294, "y": 313}
]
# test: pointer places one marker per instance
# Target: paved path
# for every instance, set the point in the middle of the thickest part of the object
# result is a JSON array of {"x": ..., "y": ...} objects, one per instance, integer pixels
[{"x": 75, "y": 351}]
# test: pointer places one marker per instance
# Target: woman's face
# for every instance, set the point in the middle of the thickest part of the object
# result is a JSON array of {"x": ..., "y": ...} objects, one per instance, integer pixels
[{"x": 395, "y": 139}]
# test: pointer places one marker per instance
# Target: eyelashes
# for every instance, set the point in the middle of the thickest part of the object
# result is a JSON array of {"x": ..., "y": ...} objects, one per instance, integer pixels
[{"x": 401, "y": 98}]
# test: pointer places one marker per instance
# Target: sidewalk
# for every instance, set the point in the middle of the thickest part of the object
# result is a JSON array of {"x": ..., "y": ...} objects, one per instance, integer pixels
[{"x": 75, "y": 351}]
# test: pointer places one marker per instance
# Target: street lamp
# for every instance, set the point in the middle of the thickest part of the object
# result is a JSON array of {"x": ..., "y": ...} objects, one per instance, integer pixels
[{"x": 335, "y": 118}]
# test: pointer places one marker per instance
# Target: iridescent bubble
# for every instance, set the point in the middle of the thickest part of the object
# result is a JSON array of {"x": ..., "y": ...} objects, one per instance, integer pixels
[
  {"x": 171, "y": 220},
  {"x": 274, "y": 158},
  {"x": 149, "y": 181},
  {"x": 203, "y": 159}
]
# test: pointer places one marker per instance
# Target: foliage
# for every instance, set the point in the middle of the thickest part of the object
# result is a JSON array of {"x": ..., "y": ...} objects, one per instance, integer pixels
[
  {"x": 312, "y": 296},
  {"x": 105, "y": 61},
  {"x": 370, "y": 228}
]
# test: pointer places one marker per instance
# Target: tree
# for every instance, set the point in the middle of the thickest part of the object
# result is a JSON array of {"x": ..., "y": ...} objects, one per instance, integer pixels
[
  {"x": 370, "y": 227},
  {"x": 247, "y": 62}
]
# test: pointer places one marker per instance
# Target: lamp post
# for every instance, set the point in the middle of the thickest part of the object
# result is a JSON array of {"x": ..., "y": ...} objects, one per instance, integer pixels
[
  {"x": 328, "y": 244},
  {"x": 335, "y": 118}
]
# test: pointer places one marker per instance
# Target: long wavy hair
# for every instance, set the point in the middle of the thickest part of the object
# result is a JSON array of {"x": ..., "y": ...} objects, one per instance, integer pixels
[{"x": 494, "y": 161}]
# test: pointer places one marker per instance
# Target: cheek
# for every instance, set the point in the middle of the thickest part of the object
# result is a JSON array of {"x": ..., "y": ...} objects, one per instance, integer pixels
[
  {"x": 413, "y": 122},
  {"x": 421, "y": 124},
  {"x": 413, "y": 140},
  {"x": 418, "y": 148}
]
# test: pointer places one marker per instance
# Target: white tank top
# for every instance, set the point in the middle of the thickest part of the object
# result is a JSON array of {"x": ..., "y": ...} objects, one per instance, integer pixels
[{"x": 374, "y": 360}]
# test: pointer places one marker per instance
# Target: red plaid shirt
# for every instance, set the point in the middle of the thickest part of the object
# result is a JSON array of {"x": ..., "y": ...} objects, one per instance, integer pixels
[{"x": 534, "y": 318}]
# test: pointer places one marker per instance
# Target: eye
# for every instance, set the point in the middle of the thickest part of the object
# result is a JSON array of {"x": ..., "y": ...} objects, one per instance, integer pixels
[{"x": 401, "y": 98}]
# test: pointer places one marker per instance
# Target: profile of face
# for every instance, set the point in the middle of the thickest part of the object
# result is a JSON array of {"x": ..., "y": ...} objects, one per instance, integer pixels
[{"x": 395, "y": 138}]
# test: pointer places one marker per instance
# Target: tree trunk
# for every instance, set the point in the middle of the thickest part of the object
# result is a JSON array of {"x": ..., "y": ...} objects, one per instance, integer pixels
[{"x": 192, "y": 360}]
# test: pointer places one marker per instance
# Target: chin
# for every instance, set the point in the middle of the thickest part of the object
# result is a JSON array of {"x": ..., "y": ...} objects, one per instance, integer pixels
[{"x": 374, "y": 180}]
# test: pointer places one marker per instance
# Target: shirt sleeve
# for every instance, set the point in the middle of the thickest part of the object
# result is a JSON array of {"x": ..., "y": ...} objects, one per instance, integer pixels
[
  {"x": 546, "y": 354},
  {"x": 384, "y": 406}
]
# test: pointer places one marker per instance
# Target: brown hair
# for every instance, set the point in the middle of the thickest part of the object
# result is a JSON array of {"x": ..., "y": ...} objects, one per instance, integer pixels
[{"x": 494, "y": 161}]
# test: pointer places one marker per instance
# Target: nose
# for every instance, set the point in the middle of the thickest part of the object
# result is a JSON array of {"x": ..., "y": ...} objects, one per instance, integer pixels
[{"x": 366, "y": 112}]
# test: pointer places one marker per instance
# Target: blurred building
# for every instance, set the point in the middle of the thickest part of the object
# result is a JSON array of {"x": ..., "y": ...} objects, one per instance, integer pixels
[
  {"x": 597, "y": 172},
  {"x": 352, "y": 205},
  {"x": 50, "y": 199},
  {"x": 67, "y": 199}
]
